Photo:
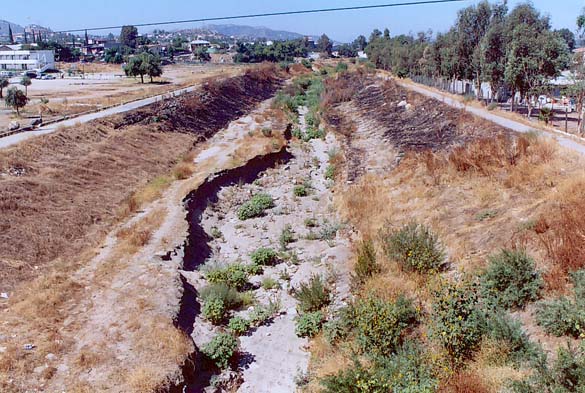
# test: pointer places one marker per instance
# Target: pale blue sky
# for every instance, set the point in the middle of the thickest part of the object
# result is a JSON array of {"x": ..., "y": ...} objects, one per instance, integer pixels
[{"x": 342, "y": 26}]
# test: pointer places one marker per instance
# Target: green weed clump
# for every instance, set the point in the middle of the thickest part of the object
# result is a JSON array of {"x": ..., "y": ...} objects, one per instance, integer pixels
[
  {"x": 238, "y": 325},
  {"x": 340, "y": 326},
  {"x": 309, "y": 324},
  {"x": 566, "y": 374},
  {"x": 234, "y": 275},
  {"x": 287, "y": 236},
  {"x": 414, "y": 247},
  {"x": 214, "y": 311},
  {"x": 312, "y": 295},
  {"x": 330, "y": 172},
  {"x": 221, "y": 349},
  {"x": 366, "y": 265},
  {"x": 565, "y": 316},
  {"x": 507, "y": 332},
  {"x": 300, "y": 191},
  {"x": 408, "y": 370},
  {"x": 256, "y": 206},
  {"x": 269, "y": 283},
  {"x": 458, "y": 320},
  {"x": 264, "y": 257},
  {"x": 380, "y": 325},
  {"x": 511, "y": 280}
]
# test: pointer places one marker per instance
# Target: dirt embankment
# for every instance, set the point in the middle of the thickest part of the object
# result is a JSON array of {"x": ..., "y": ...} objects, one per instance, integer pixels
[
  {"x": 60, "y": 193},
  {"x": 382, "y": 121}
]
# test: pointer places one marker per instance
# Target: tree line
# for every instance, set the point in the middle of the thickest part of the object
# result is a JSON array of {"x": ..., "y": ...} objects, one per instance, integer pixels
[{"x": 488, "y": 43}]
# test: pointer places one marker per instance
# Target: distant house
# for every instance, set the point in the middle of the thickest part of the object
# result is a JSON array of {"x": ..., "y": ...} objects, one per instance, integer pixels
[
  {"x": 196, "y": 44},
  {"x": 97, "y": 47},
  {"x": 13, "y": 58}
]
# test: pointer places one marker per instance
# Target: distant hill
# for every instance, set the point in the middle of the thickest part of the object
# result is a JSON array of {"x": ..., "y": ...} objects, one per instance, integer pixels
[
  {"x": 253, "y": 32},
  {"x": 4, "y": 28}
]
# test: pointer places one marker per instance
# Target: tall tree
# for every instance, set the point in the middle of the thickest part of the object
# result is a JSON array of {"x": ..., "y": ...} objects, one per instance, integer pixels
[
  {"x": 324, "y": 45},
  {"x": 86, "y": 39},
  {"x": 360, "y": 43},
  {"x": 10, "y": 35},
  {"x": 16, "y": 99},
  {"x": 128, "y": 36},
  {"x": 493, "y": 57},
  {"x": 4, "y": 82},
  {"x": 568, "y": 36}
]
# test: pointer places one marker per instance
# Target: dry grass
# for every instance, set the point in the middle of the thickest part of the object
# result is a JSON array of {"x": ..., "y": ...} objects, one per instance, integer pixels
[{"x": 464, "y": 382}]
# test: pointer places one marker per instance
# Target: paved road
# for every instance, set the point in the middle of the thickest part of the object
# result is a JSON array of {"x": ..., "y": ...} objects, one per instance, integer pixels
[
  {"x": 562, "y": 138},
  {"x": 16, "y": 138}
]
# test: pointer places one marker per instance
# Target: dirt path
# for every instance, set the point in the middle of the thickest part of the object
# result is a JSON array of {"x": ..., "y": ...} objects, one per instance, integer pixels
[{"x": 272, "y": 354}]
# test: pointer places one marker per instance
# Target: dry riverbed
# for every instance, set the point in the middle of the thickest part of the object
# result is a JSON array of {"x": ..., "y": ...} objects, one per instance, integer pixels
[{"x": 271, "y": 355}]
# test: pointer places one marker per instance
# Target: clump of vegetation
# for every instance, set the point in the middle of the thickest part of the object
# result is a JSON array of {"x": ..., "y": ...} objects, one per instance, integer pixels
[
  {"x": 458, "y": 320},
  {"x": 286, "y": 237},
  {"x": 565, "y": 375},
  {"x": 216, "y": 233},
  {"x": 228, "y": 295},
  {"x": 238, "y": 325},
  {"x": 511, "y": 279},
  {"x": 341, "y": 66},
  {"x": 234, "y": 275},
  {"x": 269, "y": 283},
  {"x": 310, "y": 222},
  {"x": 260, "y": 314},
  {"x": 313, "y": 133},
  {"x": 267, "y": 132},
  {"x": 309, "y": 324},
  {"x": 340, "y": 326},
  {"x": 328, "y": 231},
  {"x": 312, "y": 295},
  {"x": 414, "y": 247},
  {"x": 486, "y": 215},
  {"x": 565, "y": 316},
  {"x": 264, "y": 257},
  {"x": 508, "y": 333},
  {"x": 330, "y": 172},
  {"x": 300, "y": 190},
  {"x": 380, "y": 325},
  {"x": 366, "y": 264},
  {"x": 221, "y": 349},
  {"x": 214, "y": 311},
  {"x": 408, "y": 370},
  {"x": 256, "y": 206}
]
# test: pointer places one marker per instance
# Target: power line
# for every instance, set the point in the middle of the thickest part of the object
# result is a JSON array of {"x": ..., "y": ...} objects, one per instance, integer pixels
[{"x": 313, "y": 11}]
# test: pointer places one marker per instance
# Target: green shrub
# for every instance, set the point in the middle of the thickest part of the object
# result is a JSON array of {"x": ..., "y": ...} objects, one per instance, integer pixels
[
  {"x": 228, "y": 295},
  {"x": 458, "y": 321},
  {"x": 297, "y": 133},
  {"x": 312, "y": 119},
  {"x": 254, "y": 269},
  {"x": 307, "y": 64},
  {"x": 267, "y": 132},
  {"x": 313, "y": 295},
  {"x": 261, "y": 314},
  {"x": 328, "y": 230},
  {"x": 313, "y": 133},
  {"x": 340, "y": 326},
  {"x": 221, "y": 349},
  {"x": 214, "y": 311},
  {"x": 300, "y": 191},
  {"x": 216, "y": 233},
  {"x": 492, "y": 106},
  {"x": 545, "y": 114},
  {"x": 565, "y": 316},
  {"x": 239, "y": 325},
  {"x": 408, "y": 371},
  {"x": 414, "y": 247},
  {"x": 234, "y": 275},
  {"x": 256, "y": 206},
  {"x": 286, "y": 237},
  {"x": 502, "y": 328},
  {"x": 366, "y": 264},
  {"x": 510, "y": 280},
  {"x": 309, "y": 324},
  {"x": 486, "y": 215},
  {"x": 310, "y": 222},
  {"x": 330, "y": 172},
  {"x": 341, "y": 66},
  {"x": 269, "y": 283},
  {"x": 380, "y": 325},
  {"x": 264, "y": 257},
  {"x": 565, "y": 375}
]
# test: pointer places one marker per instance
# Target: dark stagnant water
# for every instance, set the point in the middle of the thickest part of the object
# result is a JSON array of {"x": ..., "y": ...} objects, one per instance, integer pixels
[{"x": 196, "y": 373}]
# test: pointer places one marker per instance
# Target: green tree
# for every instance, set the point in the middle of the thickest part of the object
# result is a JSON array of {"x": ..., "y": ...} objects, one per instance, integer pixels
[
  {"x": 568, "y": 36},
  {"x": 16, "y": 99},
  {"x": 346, "y": 50},
  {"x": 360, "y": 43},
  {"x": 201, "y": 54},
  {"x": 493, "y": 57},
  {"x": 10, "y": 35},
  {"x": 26, "y": 82},
  {"x": 324, "y": 45},
  {"x": 128, "y": 36},
  {"x": 144, "y": 64},
  {"x": 4, "y": 82},
  {"x": 135, "y": 68}
]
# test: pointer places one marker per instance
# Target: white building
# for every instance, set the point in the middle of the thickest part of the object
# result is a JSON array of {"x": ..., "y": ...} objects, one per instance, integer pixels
[{"x": 12, "y": 58}]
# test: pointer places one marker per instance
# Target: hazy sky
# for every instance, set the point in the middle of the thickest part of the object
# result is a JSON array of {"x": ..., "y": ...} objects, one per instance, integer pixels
[{"x": 342, "y": 26}]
